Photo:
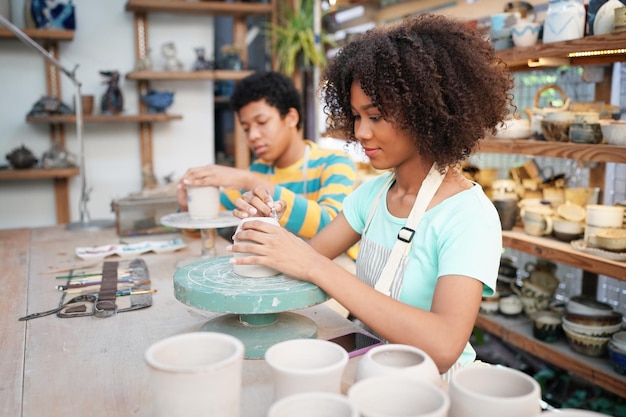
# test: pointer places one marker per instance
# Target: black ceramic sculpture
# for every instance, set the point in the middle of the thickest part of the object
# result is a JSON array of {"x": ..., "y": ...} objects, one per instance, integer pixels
[
  {"x": 21, "y": 158},
  {"x": 112, "y": 101}
]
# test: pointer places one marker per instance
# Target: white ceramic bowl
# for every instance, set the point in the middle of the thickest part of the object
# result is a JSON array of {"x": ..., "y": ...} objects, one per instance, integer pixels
[
  {"x": 596, "y": 331},
  {"x": 587, "y": 306},
  {"x": 613, "y": 239},
  {"x": 614, "y": 132},
  {"x": 601, "y": 215}
]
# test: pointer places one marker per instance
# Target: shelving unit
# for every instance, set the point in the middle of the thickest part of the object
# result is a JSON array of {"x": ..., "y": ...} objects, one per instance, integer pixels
[
  {"x": 238, "y": 10},
  {"x": 49, "y": 39},
  {"x": 518, "y": 331}
]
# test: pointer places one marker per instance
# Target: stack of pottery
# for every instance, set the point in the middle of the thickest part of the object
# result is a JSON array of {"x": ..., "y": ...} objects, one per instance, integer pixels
[
  {"x": 536, "y": 217},
  {"x": 589, "y": 325},
  {"x": 537, "y": 290},
  {"x": 568, "y": 223},
  {"x": 617, "y": 351},
  {"x": 600, "y": 218}
]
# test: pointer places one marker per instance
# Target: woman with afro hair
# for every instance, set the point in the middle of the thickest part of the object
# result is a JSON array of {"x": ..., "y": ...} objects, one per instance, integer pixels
[{"x": 418, "y": 96}]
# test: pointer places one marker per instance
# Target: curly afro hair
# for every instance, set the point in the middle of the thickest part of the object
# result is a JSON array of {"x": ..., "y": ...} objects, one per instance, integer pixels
[
  {"x": 429, "y": 75},
  {"x": 275, "y": 88}
]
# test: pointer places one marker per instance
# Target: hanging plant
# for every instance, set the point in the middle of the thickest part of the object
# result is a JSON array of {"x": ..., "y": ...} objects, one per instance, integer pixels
[{"x": 293, "y": 38}]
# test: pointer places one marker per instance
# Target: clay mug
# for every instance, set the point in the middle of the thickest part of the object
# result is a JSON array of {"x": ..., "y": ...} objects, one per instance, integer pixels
[
  {"x": 203, "y": 203},
  {"x": 537, "y": 220},
  {"x": 253, "y": 271},
  {"x": 493, "y": 391},
  {"x": 398, "y": 395},
  {"x": 306, "y": 365},
  {"x": 313, "y": 404},
  {"x": 534, "y": 297},
  {"x": 507, "y": 211},
  {"x": 398, "y": 359},
  {"x": 196, "y": 374}
]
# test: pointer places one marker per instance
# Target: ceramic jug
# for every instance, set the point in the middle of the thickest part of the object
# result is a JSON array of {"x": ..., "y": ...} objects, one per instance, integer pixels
[{"x": 565, "y": 20}]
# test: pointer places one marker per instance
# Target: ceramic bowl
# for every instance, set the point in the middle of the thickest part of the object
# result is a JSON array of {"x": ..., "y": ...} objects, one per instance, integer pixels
[
  {"x": 614, "y": 132},
  {"x": 614, "y": 318},
  {"x": 567, "y": 230},
  {"x": 514, "y": 129},
  {"x": 585, "y": 305},
  {"x": 585, "y": 133},
  {"x": 555, "y": 131},
  {"x": 547, "y": 326},
  {"x": 572, "y": 212},
  {"x": 490, "y": 305},
  {"x": 601, "y": 215},
  {"x": 511, "y": 305},
  {"x": 619, "y": 339},
  {"x": 586, "y": 345},
  {"x": 605, "y": 330},
  {"x": 617, "y": 357},
  {"x": 525, "y": 33},
  {"x": 613, "y": 239}
]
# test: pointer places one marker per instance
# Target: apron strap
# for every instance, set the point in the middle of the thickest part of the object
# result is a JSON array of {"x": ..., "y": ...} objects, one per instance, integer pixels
[{"x": 429, "y": 187}]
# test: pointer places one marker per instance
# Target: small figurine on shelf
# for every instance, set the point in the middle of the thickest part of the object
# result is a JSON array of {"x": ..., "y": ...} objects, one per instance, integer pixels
[
  {"x": 157, "y": 101},
  {"x": 21, "y": 158},
  {"x": 112, "y": 101},
  {"x": 51, "y": 14},
  {"x": 201, "y": 62},
  {"x": 144, "y": 63},
  {"x": 57, "y": 157},
  {"x": 171, "y": 61},
  {"x": 49, "y": 105},
  {"x": 231, "y": 58}
]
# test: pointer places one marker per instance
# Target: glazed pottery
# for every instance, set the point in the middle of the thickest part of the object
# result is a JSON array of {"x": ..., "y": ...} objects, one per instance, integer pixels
[
  {"x": 547, "y": 326},
  {"x": 493, "y": 391},
  {"x": 511, "y": 305},
  {"x": 398, "y": 395},
  {"x": 203, "y": 202},
  {"x": 525, "y": 33},
  {"x": 253, "y": 271},
  {"x": 196, "y": 374},
  {"x": 398, "y": 359},
  {"x": 614, "y": 132},
  {"x": 565, "y": 20},
  {"x": 600, "y": 215},
  {"x": 507, "y": 211},
  {"x": 313, "y": 404},
  {"x": 306, "y": 365}
]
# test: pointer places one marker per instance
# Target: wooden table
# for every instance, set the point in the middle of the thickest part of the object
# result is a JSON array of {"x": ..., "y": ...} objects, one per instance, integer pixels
[{"x": 92, "y": 366}]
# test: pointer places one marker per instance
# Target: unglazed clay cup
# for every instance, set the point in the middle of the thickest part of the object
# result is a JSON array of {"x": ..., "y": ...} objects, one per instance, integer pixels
[
  {"x": 493, "y": 391},
  {"x": 398, "y": 359},
  {"x": 306, "y": 365},
  {"x": 203, "y": 203},
  {"x": 195, "y": 375},
  {"x": 313, "y": 404},
  {"x": 398, "y": 396},
  {"x": 253, "y": 271}
]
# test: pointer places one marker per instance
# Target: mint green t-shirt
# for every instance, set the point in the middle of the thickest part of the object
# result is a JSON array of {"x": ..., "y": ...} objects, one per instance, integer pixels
[{"x": 460, "y": 236}]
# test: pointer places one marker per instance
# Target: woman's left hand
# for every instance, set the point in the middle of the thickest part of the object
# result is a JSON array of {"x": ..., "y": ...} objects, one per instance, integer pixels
[{"x": 275, "y": 247}]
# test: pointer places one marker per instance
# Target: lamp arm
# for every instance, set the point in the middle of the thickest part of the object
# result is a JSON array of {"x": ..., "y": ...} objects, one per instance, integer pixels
[{"x": 84, "y": 214}]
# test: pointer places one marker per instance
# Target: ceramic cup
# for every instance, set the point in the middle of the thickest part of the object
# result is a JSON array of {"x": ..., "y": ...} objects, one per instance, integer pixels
[
  {"x": 313, "y": 404},
  {"x": 508, "y": 211},
  {"x": 253, "y": 271},
  {"x": 398, "y": 396},
  {"x": 493, "y": 391},
  {"x": 203, "y": 202},
  {"x": 398, "y": 359},
  {"x": 525, "y": 33},
  {"x": 306, "y": 365},
  {"x": 196, "y": 374},
  {"x": 537, "y": 220}
]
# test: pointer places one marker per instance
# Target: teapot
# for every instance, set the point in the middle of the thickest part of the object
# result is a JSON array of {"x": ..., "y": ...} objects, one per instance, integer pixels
[
  {"x": 21, "y": 158},
  {"x": 537, "y": 114}
]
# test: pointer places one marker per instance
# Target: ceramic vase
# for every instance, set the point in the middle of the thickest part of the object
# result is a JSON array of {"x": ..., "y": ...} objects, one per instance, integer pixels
[{"x": 203, "y": 203}]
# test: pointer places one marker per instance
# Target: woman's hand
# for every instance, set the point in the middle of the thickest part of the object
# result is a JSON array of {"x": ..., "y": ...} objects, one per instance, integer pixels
[
  {"x": 275, "y": 247},
  {"x": 258, "y": 202}
]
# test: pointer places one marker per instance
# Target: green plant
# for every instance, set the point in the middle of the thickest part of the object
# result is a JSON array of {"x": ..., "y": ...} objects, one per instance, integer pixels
[{"x": 293, "y": 38}]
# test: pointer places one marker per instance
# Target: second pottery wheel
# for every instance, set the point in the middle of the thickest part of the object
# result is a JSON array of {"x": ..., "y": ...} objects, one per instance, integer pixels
[{"x": 259, "y": 307}]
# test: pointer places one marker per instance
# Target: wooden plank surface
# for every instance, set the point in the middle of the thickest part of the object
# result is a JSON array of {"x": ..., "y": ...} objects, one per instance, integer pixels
[
  {"x": 14, "y": 258},
  {"x": 95, "y": 365}
]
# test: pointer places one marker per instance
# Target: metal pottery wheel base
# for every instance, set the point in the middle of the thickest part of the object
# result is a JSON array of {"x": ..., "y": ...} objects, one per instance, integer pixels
[
  {"x": 259, "y": 307},
  {"x": 257, "y": 336}
]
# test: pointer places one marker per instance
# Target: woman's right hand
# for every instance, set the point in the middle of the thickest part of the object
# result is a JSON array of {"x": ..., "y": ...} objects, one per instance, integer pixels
[{"x": 258, "y": 202}]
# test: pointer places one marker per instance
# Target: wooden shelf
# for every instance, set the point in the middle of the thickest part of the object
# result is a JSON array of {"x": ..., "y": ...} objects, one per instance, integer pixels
[
  {"x": 518, "y": 332},
  {"x": 38, "y": 173},
  {"x": 70, "y": 118},
  {"x": 561, "y": 252},
  {"x": 216, "y": 75},
  {"x": 206, "y": 7},
  {"x": 517, "y": 58},
  {"x": 581, "y": 152},
  {"x": 41, "y": 34}
]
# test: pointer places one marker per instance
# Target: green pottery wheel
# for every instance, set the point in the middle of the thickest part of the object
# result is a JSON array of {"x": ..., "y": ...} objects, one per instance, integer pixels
[{"x": 259, "y": 307}]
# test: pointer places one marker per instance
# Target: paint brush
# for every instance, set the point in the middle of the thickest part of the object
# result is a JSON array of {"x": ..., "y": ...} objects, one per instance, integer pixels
[
  {"x": 129, "y": 279},
  {"x": 98, "y": 274}
]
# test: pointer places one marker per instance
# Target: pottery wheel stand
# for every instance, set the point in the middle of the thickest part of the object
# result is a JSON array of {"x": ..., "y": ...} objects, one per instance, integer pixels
[
  {"x": 208, "y": 230},
  {"x": 259, "y": 307}
]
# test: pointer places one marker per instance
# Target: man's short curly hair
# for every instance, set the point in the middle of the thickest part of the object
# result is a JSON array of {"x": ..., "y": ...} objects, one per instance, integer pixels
[
  {"x": 274, "y": 87},
  {"x": 429, "y": 75}
]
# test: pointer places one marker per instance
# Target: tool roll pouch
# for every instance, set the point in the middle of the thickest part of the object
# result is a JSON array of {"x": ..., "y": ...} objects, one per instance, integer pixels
[{"x": 115, "y": 293}]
